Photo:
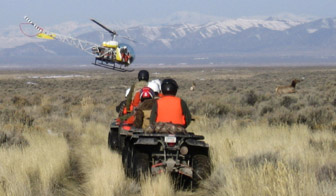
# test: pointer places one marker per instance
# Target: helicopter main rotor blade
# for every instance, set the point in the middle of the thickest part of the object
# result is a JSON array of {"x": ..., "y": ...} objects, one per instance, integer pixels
[
  {"x": 102, "y": 26},
  {"x": 129, "y": 39}
]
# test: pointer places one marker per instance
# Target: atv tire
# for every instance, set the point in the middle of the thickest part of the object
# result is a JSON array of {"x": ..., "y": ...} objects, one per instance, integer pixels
[
  {"x": 113, "y": 140},
  {"x": 121, "y": 143},
  {"x": 201, "y": 167},
  {"x": 140, "y": 164},
  {"x": 126, "y": 157}
]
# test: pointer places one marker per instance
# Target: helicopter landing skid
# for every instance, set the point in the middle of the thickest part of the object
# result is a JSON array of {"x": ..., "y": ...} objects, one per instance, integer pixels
[{"x": 112, "y": 67}]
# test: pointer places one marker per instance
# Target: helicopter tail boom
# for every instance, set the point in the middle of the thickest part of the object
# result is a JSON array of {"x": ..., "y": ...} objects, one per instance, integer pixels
[
  {"x": 45, "y": 36},
  {"x": 86, "y": 46}
]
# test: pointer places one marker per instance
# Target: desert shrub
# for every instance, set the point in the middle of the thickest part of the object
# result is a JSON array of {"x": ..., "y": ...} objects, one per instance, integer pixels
[
  {"x": 302, "y": 118},
  {"x": 6, "y": 114},
  {"x": 326, "y": 173},
  {"x": 250, "y": 98},
  {"x": 287, "y": 101},
  {"x": 102, "y": 113},
  {"x": 36, "y": 99},
  {"x": 256, "y": 160},
  {"x": 282, "y": 116},
  {"x": 216, "y": 109},
  {"x": 313, "y": 101},
  {"x": 287, "y": 118},
  {"x": 87, "y": 106},
  {"x": 242, "y": 112},
  {"x": 265, "y": 109},
  {"x": 333, "y": 126},
  {"x": 316, "y": 144},
  {"x": 12, "y": 138},
  {"x": 16, "y": 116},
  {"x": 297, "y": 106},
  {"x": 46, "y": 106},
  {"x": 20, "y": 102},
  {"x": 316, "y": 117},
  {"x": 322, "y": 144},
  {"x": 265, "y": 97},
  {"x": 72, "y": 99},
  {"x": 24, "y": 118},
  {"x": 209, "y": 108},
  {"x": 46, "y": 109}
]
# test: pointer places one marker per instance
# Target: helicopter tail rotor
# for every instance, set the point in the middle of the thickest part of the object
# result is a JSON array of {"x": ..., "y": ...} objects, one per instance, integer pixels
[{"x": 41, "y": 33}]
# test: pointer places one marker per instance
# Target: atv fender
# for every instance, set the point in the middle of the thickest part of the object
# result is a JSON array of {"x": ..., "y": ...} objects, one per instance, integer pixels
[
  {"x": 196, "y": 143},
  {"x": 147, "y": 141}
]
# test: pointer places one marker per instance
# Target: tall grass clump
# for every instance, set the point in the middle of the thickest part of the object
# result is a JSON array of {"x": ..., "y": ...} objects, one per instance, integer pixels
[
  {"x": 103, "y": 172},
  {"x": 100, "y": 170},
  {"x": 265, "y": 160},
  {"x": 35, "y": 169},
  {"x": 159, "y": 185}
]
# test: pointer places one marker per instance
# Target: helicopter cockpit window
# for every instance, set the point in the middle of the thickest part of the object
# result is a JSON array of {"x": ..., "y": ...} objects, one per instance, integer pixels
[{"x": 127, "y": 50}]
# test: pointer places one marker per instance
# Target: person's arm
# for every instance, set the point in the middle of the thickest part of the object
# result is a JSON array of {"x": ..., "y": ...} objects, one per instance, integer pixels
[
  {"x": 129, "y": 98},
  {"x": 153, "y": 115},
  {"x": 186, "y": 113},
  {"x": 120, "y": 106}
]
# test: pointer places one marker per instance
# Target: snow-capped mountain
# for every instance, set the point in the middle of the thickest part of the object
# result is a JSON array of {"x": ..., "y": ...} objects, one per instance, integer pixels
[{"x": 235, "y": 39}]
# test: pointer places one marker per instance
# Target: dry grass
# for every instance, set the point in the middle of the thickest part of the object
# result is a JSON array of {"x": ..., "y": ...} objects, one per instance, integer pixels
[
  {"x": 263, "y": 160},
  {"x": 35, "y": 169},
  {"x": 159, "y": 185},
  {"x": 53, "y": 132}
]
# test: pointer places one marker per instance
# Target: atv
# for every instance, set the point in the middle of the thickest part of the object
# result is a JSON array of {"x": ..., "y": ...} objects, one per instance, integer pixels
[
  {"x": 183, "y": 155},
  {"x": 117, "y": 135}
]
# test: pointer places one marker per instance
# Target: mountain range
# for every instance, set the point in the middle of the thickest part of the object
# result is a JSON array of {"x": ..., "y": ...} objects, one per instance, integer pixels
[{"x": 235, "y": 41}]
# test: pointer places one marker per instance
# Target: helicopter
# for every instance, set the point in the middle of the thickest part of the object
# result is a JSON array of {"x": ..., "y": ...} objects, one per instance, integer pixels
[{"x": 107, "y": 55}]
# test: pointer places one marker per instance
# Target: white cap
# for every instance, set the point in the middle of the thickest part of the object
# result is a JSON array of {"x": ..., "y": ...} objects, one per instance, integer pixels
[
  {"x": 158, "y": 82},
  {"x": 127, "y": 91},
  {"x": 154, "y": 86}
]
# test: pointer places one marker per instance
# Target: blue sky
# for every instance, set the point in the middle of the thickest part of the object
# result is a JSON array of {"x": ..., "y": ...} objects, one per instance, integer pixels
[{"x": 55, "y": 12}]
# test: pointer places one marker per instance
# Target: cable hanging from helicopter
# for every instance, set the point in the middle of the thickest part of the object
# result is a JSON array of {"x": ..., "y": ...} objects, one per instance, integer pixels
[{"x": 107, "y": 55}]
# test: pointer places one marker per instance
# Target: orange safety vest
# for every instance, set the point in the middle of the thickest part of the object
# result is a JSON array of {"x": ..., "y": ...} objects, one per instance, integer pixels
[
  {"x": 125, "y": 111},
  {"x": 169, "y": 110},
  {"x": 130, "y": 119},
  {"x": 136, "y": 99}
]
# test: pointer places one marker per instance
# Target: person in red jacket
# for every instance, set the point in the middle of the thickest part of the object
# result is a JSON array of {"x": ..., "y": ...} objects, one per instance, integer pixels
[{"x": 169, "y": 108}]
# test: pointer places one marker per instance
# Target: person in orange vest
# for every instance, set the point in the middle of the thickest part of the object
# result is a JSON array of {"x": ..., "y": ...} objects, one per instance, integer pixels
[{"x": 169, "y": 108}]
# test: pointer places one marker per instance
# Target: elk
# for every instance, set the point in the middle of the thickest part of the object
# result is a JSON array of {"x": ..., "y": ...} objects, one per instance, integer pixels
[
  {"x": 193, "y": 86},
  {"x": 287, "y": 89}
]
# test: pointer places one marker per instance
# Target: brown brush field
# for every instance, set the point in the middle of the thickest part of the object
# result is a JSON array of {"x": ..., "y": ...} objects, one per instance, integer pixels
[{"x": 54, "y": 126}]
